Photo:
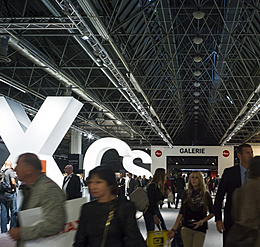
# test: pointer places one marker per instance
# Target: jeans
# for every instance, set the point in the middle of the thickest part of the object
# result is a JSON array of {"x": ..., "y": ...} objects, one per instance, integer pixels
[
  {"x": 192, "y": 238},
  {"x": 11, "y": 200},
  {"x": 3, "y": 218},
  {"x": 149, "y": 221}
]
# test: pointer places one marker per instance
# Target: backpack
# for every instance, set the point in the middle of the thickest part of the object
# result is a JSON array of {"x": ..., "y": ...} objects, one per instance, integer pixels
[
  {"x": 3, "y": 187},
  {"x": 140, "y": 198}
]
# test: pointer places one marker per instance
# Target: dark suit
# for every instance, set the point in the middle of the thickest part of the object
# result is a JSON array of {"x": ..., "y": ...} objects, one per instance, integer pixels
[
  {"x": 121, "y": 188},
  {"x": 73, "y": 187},
  {"x": 132, "y": 185},
  {"x": 231, "y": 179}
]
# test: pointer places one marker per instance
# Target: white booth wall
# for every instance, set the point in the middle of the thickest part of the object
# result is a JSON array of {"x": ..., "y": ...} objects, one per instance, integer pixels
[
  {"x": 256, "y": 150},
  {"x": 225, "y": 155}
]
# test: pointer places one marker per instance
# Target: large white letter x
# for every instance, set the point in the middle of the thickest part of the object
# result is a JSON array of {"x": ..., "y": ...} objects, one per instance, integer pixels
[{"x": 41, "y": 136}]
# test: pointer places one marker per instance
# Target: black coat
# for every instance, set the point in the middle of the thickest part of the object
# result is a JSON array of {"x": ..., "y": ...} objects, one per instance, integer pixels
[
  {"x": 155, "y": 196},
  {"x": 132, "y": 185},
  {"x": 73, "y": 188},
  {"x": 123, "y": 227},
  {"x": 121, "y": 188},
  {"x": 231, "y": 179}
]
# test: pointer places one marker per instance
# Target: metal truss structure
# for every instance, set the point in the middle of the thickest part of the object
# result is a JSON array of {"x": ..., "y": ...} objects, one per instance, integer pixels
[{"x": 149, "y": 72}]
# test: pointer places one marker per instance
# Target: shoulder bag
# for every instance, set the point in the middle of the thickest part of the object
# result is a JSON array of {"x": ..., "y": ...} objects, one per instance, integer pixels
[{"x": 109, "y": 219}]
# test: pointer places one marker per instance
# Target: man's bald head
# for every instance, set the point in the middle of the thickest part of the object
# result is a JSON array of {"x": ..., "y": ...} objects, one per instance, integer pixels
[
  {"x": 68, "y": 169},
  {"x": 8, "y": 164}
]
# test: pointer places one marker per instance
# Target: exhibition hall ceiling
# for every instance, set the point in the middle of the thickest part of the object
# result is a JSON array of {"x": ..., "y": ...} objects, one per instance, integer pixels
[{"x": 149, "y": 72}]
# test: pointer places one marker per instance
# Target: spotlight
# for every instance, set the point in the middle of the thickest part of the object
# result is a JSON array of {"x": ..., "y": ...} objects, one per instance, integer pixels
[
  {"x": 197, "y": 73},
  {"x": 197, "y": 59},
  {"x": 196, "y": 84},
  {"x": 198, "y": 15},
  {"x": 197, "y": 40}
]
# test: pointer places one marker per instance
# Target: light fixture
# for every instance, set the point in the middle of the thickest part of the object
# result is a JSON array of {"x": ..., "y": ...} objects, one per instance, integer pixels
[
  {"x": 90, "y": 136},
  {"x": 196, "y": 117},
  {"x": 196, "y": 101},
  {"x": 197, "y": 40},
  {"x": 196, "y": 84},
  {"x": 196, "y": 112},
  {"x": 197, "y": 73},
  {"x": 196, "y": 107},
  {"x": 251, "y": 113},
  {"x": 196, "y": 94},
  {"x": 198, "y": 15},
  {"x": 197, "y": 59},
  {"x": 85, "y": 37},
  {"x": 107, "y": 61}
]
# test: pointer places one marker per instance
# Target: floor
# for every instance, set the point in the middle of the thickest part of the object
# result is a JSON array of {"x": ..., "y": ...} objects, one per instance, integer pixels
[{"x": 213, "y": 237}]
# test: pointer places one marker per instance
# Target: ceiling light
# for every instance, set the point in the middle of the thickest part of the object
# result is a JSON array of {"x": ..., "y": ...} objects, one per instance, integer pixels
[
  {"x": 198, "y": 15},
  {"x": 196, "y": 117},
  {"x": 196, "y": 112},
  {"x": 197, "y": 73},
  {"x": 196, "y": 107},
  {"x": 196, "y": 84},
  {"x": 196, "y": 101},
  {"x": 197, "y": 40},
  {"x": 85, "y": 37},
  {"x": 197, "y": 59},
  {"x": 197, "y": 94}
]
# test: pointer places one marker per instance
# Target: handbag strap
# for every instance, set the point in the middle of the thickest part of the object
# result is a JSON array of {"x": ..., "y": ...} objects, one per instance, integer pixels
[{"x": 109, "y": 219}]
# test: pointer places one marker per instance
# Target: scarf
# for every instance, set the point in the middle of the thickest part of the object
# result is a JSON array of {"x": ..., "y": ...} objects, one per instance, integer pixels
[{"x": 195, "y": 200}]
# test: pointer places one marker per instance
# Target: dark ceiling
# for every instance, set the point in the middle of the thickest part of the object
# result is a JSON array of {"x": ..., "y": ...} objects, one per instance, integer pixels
[{"x": 157, "y": 72}]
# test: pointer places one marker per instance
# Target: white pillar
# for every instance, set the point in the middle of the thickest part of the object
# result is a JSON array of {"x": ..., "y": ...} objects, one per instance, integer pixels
[{"x": 76, "y": 142}]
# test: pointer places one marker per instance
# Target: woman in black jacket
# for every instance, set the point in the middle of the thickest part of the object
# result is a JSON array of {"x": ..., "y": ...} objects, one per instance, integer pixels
[
  {"x": 155, "y": 192},
  {"x": 122, "y": 229},
  {"x": 196, "y": 210}
]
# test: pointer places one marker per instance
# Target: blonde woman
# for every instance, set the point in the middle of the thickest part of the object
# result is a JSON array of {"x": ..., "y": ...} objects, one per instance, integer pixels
[
  {"x": 195, "y": 211},
  {"x": 155, "y": 192}
]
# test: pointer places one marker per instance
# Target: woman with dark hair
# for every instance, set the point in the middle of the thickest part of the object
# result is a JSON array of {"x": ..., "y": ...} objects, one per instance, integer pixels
[
  {"x": 155, "y": 192},
  {"x": 107, "y": 221},
  {"x": 196, "y": 202}
]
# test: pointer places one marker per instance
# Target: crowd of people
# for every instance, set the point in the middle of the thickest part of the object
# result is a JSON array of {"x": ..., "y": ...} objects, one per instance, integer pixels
[{"x": 109, "y": 219}]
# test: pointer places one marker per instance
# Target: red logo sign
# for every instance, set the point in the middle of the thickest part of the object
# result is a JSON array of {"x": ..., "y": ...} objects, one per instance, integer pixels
[
  {"x": 226, "y": 153},
  {"x": 158, "y": 153}
]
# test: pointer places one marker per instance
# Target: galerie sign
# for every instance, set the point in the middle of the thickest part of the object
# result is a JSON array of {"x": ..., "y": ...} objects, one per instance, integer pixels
[{"x": 192, "y": 150}]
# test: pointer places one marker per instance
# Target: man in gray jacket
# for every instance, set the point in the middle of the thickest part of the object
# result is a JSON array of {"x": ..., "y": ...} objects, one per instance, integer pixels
[{"x": 38, "y": 191}]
